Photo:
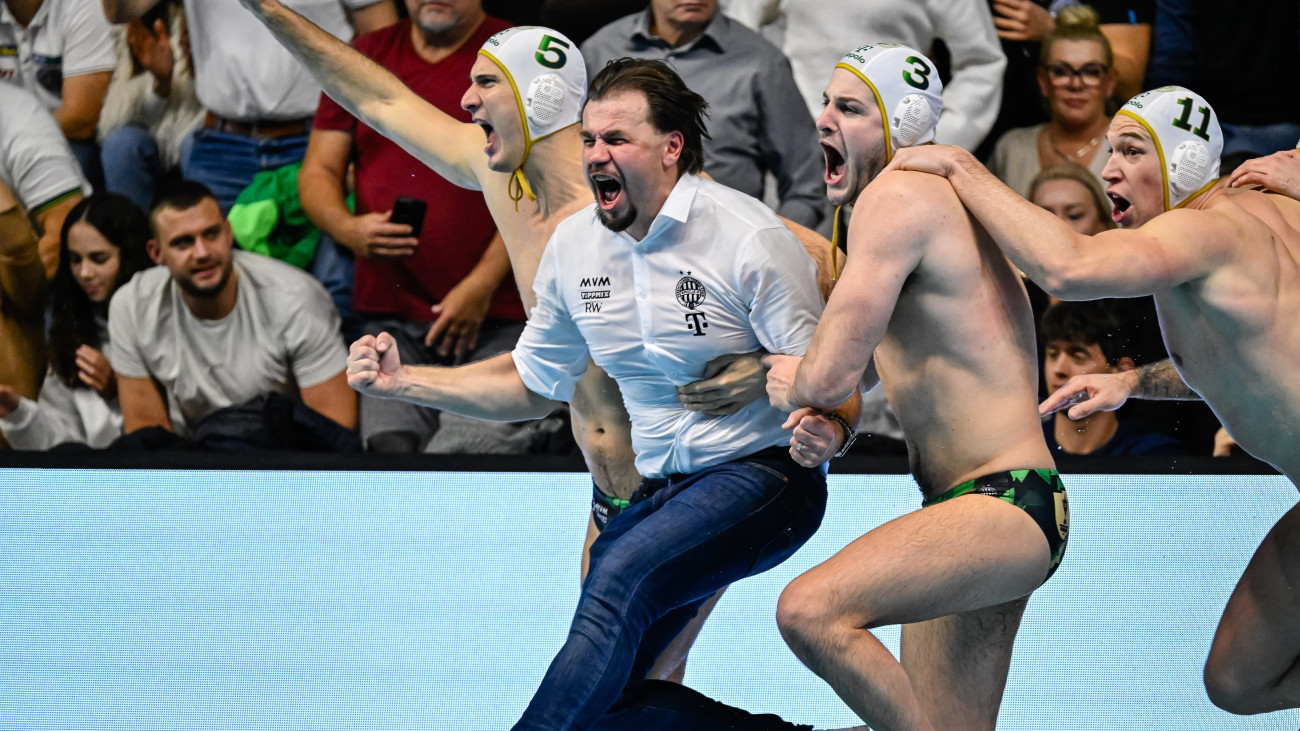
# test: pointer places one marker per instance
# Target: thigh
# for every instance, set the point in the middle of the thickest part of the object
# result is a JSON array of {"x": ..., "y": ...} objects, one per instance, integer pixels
[
  {"x": 1258, "y": 638},
  {"x": 958, "y": 664},
  {"x": 960, "y": 555}
]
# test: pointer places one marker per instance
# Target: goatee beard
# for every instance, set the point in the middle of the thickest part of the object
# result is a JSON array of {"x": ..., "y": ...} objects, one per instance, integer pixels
[{"x": 616, "y": 223}]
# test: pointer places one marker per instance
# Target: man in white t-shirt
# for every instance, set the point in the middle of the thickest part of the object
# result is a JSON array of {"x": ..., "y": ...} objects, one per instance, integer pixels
[
  {"x": 213, "y": 327},
  {"x": 37, "y": 165},
  {"x": 61, "y": 51},
  {"x": 667, "y": 271},
  {"x": 259, "y": 98}
]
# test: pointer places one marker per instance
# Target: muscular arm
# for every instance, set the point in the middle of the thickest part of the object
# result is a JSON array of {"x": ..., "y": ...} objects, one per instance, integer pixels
[
  {"x": 885, "y": 245},
  {"x": 83, "y": 97},
  {"x": 143, "y": 404},
  {"x": 334, "y": 399},
  {"x": 1173, "y": 249},
  {"x": 378, "y": 98},
  {"x": 1160, "y": 381}
]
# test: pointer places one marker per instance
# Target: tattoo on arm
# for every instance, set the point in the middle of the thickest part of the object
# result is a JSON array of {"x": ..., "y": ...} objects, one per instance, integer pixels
[{"x": 1160, "y": 381}]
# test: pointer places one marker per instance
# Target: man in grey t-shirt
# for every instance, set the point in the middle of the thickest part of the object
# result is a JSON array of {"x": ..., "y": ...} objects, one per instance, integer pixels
[{"x": 213, "y": 327}]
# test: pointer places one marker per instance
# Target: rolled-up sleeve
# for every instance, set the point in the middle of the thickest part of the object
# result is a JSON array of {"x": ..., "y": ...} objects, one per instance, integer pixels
[{"x": 551, "y": 355}]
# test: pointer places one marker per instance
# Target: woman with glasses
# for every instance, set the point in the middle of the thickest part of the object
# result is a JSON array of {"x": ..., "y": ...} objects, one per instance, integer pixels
[{"x": 1076, "y": 79}]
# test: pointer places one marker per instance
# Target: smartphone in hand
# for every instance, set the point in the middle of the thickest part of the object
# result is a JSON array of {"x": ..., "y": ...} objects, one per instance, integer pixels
[{"x": 410, "y": 211}]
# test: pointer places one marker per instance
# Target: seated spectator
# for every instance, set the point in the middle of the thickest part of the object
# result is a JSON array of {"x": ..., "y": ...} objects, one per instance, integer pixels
[
  {"x": 102, "y": 247},
  {"x": 214, "y": 327},
  {"x": 38, "y": 168},
  {"x": 22, "y": 289},
  {"x": 579, "y": 19},
  {"x": 62, "y": 52},
  {"x": 1076, "y": 79},
  {"x": 756, "y": 122},
  {"x": 1090, "y": 337},
  {"x": 151, "y": 106},
  {"x": 445, "y": 292}
]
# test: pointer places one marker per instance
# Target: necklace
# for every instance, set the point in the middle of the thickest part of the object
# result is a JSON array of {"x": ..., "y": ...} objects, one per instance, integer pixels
[{"x": 1078, "y": 155}]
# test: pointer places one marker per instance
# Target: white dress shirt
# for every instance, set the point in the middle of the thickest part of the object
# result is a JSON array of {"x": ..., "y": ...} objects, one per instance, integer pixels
[{"x": 717, "y": 273}]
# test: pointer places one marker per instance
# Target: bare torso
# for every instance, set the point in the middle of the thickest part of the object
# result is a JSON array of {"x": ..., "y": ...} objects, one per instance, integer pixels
[
  {"x": 600, "y": 422},
  {"x": 1233, "y": 335},
  {"x": 958, "y": 357}
]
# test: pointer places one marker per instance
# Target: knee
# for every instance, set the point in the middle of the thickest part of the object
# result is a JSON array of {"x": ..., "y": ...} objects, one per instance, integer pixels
[
  {"x": 804, "y": 616},
  {"x": 1226, "y": 689}
]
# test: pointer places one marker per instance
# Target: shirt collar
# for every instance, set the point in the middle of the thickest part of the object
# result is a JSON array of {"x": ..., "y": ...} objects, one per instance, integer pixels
[
  {"x": 676, "y": 207},
  {"x": 715, "y": 33}
]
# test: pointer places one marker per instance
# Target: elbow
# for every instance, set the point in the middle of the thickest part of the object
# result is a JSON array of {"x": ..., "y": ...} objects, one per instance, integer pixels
[{"x": 1064, "y": 284}]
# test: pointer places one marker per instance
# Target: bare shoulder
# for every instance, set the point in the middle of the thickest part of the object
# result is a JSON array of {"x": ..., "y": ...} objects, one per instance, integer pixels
[{"x": 918, "y": 202}]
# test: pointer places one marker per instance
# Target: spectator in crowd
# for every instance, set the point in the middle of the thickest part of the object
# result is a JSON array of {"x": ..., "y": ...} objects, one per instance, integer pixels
[
  {"x": 260, "y": 100},
  {"x": 756, "y": 121},
  {"x": 151, "y": 106},
  {"x": 102, "y": 247},
  {"x": 1092, "y": 337},
  {"x": 22, "y": 290},
  {"x": 1234, "y": 57},
  {"x": 819, "y": 32},
  {"x": 579, "y": 19},
  {"x": 445, "y": 293},
  {"x": 213, "y": 327},
  {"x": 39, "y": 169},
  {"x": 1076, "y": 78},
  {"x": 62, "y": 52}
]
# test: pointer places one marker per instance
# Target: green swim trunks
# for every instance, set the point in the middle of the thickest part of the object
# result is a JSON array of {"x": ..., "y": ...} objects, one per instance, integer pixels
[{"x": 1039, "y": 493}]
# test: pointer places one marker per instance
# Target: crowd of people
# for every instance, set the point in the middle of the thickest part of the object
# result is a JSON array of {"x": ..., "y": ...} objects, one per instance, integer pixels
[{"x": 492, "y": 238}]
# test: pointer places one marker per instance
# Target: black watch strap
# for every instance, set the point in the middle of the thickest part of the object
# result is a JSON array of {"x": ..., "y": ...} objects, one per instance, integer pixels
[{"x": 850, "y": 434}]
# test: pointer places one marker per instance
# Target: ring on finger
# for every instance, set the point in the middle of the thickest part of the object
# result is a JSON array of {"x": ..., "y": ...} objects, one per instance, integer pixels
[{"x": 798, "y": 447}]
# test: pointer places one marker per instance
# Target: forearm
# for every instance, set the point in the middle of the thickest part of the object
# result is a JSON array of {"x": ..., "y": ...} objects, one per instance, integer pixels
[
  {"x": 325, "y": 203},
  {"x": 489, "y": 389},
  {"x": 354, "y": 81},
  {"x": 825, "y": 387},
  {"x": 76, "y": 124},
  {"x": 492, "y": 268},
  {"x": 1160, "y": 381}
]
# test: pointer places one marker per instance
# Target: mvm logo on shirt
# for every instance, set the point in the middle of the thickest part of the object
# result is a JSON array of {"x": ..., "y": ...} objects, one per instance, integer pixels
[{"x": 593, "y": 288}]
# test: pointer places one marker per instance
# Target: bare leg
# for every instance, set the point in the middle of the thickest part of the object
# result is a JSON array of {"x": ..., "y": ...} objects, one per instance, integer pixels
[
  {"x": 959, "y": 556},
  {"x": 1253, "y": 667},
  {"x": 958, "y": 664}
]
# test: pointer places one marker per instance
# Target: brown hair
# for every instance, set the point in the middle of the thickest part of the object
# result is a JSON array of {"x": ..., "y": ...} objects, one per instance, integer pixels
[
  {"x": 673, "y": 106},
  {"x": 1082, "y": 176}
]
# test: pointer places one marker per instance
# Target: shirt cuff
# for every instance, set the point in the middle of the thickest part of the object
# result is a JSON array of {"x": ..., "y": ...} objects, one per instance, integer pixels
[{"x": 21, "y": 418}]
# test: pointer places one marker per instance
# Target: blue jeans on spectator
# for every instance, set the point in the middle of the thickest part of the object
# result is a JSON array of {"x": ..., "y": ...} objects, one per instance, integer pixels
[
  {"x": 1261, "y": 139},
  {"x": 132, "y": 165},
  {"x": 333, "y": 267},
  {"x": 658, "y": 561},
  {"x": 227, "y": 162}
]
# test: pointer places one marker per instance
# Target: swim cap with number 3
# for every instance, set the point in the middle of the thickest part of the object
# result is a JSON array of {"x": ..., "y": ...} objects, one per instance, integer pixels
[{"x": 907, "y": 90}]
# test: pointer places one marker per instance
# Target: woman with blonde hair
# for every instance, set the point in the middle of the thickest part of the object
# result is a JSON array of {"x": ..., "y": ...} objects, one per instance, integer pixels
[{"x": 1076, "y": 78}]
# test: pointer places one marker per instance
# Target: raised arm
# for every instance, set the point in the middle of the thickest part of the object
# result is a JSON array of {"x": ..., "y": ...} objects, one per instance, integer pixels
[
  {"x": 1173, "y": 249},
  {"x": 378, "y": 98}
]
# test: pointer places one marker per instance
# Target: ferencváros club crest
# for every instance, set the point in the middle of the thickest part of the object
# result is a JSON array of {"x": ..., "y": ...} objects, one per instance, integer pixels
[{"x": 690, "y": 292}]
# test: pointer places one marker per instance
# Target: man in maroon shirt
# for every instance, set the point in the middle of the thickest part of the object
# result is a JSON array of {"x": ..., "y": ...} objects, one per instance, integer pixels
[{"x": 444, "y": 292}]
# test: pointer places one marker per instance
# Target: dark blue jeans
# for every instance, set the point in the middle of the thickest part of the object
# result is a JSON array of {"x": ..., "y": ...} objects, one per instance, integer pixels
[
  {"x": 654, "y": 565},
  {"x": 227, "y": 162}
]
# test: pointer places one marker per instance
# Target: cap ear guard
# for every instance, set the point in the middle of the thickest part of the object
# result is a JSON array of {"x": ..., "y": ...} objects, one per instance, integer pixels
[
  {"x": 1190, "y": 166},
  {"x": 545, "y": 100},
  {"x": 913, "y": 117}
]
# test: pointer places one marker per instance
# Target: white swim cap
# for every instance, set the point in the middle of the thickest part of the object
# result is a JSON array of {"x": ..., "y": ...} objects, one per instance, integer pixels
[
  {"x": 907, "y": 89},
  {"x": 547, "y": 74},
  {"x": 1187, "y": 136}
]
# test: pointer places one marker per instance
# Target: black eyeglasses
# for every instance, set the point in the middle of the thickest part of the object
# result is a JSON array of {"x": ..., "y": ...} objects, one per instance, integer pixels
[{"x": 1091, "y": 74}]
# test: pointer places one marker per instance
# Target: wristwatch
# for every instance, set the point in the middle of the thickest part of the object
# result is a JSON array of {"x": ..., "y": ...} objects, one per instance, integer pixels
[{"x": 850, "y": 434}]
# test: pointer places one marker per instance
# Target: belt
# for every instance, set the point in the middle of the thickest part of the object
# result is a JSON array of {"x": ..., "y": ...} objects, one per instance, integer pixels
[
  {"x": 651, "y": 485},
  {"x": 273, "y": 128}
]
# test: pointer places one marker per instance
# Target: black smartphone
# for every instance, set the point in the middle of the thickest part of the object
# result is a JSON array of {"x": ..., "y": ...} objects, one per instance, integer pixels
[{"x": 410, "y": 211}]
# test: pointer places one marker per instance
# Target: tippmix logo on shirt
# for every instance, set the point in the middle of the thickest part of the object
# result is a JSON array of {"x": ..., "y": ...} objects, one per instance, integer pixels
[
  {"x": 691, "y": 294},
  {"x": 592, "y": 290}
]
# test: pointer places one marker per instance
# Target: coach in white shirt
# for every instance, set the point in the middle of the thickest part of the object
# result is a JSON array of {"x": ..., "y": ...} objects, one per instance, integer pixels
[{"x": 667, "y": 271}]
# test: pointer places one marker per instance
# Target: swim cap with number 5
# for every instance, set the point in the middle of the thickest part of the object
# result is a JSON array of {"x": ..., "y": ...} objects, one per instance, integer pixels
[
  {"x": 907, "y": 90},
  {"x": 546, "y": 72}
]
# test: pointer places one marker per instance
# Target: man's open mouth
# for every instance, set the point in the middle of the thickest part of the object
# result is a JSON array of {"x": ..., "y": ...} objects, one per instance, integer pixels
[
  {"x": 1120, "y": 206},
  {"x": 835, "y": 164},
  {"x": 608, "y": 191}
]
